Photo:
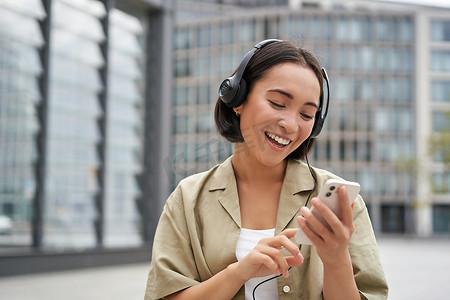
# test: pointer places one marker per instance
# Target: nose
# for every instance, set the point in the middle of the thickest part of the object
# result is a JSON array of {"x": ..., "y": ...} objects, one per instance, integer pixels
[{"x": 289, "y": 121}]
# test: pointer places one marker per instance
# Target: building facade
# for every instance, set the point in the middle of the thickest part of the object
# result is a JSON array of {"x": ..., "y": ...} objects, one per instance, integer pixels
[
  {"x": 84, "y": 115},
  {"x": 388, "y": 67}
]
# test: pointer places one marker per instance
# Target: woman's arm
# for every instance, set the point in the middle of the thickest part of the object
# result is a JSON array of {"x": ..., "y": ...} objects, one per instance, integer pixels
[
  {"x": 223, "y": 285},
  {"x": 265, "y": 259},
  {"x": 332, "y": 247}
]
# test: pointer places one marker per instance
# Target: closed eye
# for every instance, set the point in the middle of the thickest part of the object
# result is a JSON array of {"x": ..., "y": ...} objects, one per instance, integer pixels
[
  {"x": 276, "y": 104},
  {"x": 307, "y": 117}
]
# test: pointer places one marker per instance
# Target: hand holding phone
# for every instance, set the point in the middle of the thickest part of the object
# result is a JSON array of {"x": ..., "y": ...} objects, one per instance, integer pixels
[{"x": 329, "y": 196}]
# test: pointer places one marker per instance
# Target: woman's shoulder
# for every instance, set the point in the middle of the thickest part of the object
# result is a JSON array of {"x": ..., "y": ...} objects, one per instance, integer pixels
[
  {"x": 321, "y": 173},
  {"x": 302, "y": 170},
  {"x": 215, "y": 174},
  {"x": 194, "y": 187}
]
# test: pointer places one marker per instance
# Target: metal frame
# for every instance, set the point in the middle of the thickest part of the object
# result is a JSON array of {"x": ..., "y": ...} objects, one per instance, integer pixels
[{"x": 41, "y": 139}]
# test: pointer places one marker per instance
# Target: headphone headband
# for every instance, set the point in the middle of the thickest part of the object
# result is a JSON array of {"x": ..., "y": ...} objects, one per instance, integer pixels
[{"x": 233, "y": 90}]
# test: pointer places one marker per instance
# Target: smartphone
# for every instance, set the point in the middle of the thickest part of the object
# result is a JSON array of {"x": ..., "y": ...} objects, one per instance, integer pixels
[{"x": 328, "y": 195}]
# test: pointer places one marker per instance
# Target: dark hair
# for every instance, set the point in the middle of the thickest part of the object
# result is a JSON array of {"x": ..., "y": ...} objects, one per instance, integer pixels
[{"x": 228, "y": 124}]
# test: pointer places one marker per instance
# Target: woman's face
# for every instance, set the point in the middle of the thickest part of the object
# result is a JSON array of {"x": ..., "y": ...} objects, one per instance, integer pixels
[{"x": 278, "y": 115}]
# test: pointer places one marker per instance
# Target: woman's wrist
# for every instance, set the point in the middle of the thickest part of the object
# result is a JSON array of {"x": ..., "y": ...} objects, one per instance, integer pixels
[
  {"x": 234, "y": 274},
  {"x": 339, "y": 261}
]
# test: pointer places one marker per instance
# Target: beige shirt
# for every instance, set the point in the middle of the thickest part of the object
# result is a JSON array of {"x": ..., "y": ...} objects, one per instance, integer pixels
[{"x": 197, "y": 234}]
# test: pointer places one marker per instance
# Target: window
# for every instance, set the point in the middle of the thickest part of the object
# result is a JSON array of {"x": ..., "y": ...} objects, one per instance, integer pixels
[
  {"x": 441, "y": 183},
  {"x": 441, "y": 121},
  {"x": 441, "y": 218},
  {"x": 440, "y": 31},
  {"x": 247, "y": 31},
  {"x": 180, "y": 124},
  {"x": 226, "y": 33},
  {"x": 125, "y": 130},
  {"x": 440, "y": 61},
  {"x": 405, "y": 28},
  {"x": 182, "y": 38},
  {"x": 204, "y": 37},
  {"x": 20, "y": 68},
  {"x": 393, "y": 218},
  {"x": 75, "y": 60},
  {"x": 181, "y": 96},
  {"x": 297, "y": 27},
  {"x": 440, "y": 91}
]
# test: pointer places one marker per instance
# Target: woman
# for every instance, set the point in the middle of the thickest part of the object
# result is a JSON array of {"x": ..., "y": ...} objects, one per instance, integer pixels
[{"x": 224, "y": 231}]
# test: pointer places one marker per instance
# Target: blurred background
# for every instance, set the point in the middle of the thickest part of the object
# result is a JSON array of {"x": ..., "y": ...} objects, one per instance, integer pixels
[{"x": 105, "y": 105}]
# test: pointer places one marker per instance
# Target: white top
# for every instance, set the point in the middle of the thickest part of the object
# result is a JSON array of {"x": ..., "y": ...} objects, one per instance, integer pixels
[{"x": 247, "y": 240}]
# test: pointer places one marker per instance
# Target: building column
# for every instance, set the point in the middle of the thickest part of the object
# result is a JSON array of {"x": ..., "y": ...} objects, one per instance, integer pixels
[
  {"x": 158, "y": 129},
  {"x": 422, "y": 205}
]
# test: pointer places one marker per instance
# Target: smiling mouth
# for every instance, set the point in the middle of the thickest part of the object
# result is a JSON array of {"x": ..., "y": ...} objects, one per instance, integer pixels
[{"x": 276, "y": 140}]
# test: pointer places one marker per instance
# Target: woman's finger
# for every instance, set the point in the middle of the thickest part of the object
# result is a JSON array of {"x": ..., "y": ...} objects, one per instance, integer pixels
[
  {"x": 317, "y": 223},
  {"x": 346, "y": 208}
]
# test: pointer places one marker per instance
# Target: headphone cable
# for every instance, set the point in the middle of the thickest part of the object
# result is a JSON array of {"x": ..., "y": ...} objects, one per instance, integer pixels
[{"x": 306, "y": 204}]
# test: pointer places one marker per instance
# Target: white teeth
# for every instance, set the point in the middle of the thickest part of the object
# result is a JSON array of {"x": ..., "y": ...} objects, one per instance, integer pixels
[{"x": 278, "y": 139}]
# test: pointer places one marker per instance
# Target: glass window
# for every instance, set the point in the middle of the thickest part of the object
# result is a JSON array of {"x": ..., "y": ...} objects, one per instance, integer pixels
[
  {"x": 342, "y": 150},
  {"x": 180, "y": 124},
  {"x": 382, "y": 120},
  {"x": 75, "y": 60},
  {"x": 441, "y": 121},
  {"x": 382, "y": 59},
  {"x": 441, "y": 218},
  {"x": 440, "y": 60},
  {"x": 204, "y": 36},
  {"x": 247, "y": 31},
  {"x": 203, "y": 65},
  {"x": 441, "y": 183},
  {"x": 440, "y": 30},
  {"x": 405, "y": 27},
  {"x": 321, "y": 28},
  {"x": 203, "y": 123},
  {"x": 181, "y": 95},
  {"x": 125, "y": 127},
  {"x": 297, "y": 27},
  {"x": 226, "y": 65},
  {"x": 203, "y": 92},
  {"x": 272, "y": 27},
  {"x": 353, "y": 29},
  {"x": 20, "y": 68},
  {"x": 344, "y": 91},
  {"x": 393, "y": 218},
  {"x": 367, "y": 58},
  {"x": 226, "y": 33},
  {"x": 440, "y": 91},
  {"x": 182, "y": 38},
  {"x": 382, "y": 29},
  {"x": 181, "y": 67}
]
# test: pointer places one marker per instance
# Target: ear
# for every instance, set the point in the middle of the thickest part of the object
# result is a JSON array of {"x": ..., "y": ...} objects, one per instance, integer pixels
[{"x": 238, "y": 109}]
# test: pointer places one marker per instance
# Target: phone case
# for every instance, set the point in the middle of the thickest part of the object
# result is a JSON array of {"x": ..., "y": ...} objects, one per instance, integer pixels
[{"x": 328, "y": 195}]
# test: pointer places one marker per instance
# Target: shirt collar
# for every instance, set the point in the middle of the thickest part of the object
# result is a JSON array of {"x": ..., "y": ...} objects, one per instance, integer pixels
[{"x": 297, "y": 179}]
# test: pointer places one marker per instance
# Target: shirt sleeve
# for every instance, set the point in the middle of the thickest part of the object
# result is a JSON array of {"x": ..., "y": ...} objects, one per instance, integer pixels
[
  {"x": 173, "y": 265},
  {"x": 367, "y": 268}
]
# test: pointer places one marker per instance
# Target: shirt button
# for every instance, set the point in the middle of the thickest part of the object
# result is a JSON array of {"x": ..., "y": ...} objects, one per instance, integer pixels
[{"x": 286, "y": 289}]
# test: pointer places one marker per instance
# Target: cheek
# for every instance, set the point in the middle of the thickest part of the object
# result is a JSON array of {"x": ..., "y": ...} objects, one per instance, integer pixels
[{"x": 305, "y": 131}]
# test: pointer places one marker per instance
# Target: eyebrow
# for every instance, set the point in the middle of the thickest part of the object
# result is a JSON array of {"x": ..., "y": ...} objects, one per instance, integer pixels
[{"x": 284, "y": 93}]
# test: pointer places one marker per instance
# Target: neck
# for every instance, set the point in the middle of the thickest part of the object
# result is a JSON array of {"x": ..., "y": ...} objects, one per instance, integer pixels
[{"x": 248, "y": 168}]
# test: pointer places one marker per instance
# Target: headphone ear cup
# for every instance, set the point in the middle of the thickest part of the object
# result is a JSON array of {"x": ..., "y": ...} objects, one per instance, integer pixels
[
  {"x": 317, "y": 127},
  {"x": 233, "y": 93},
  {"x": 227, "y": 91},
  {"x": 241, "y": 94}
]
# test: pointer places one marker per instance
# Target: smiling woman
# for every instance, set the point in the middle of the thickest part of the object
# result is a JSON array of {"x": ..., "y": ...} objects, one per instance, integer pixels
[{"x": 226, "y": 233}]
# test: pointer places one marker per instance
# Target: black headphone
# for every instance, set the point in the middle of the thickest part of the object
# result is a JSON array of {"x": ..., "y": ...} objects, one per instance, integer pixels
[{"x": 233, "y": 90}]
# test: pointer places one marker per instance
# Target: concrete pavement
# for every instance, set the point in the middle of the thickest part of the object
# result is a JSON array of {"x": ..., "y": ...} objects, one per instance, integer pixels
[{"x": 415, "y": 269}]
